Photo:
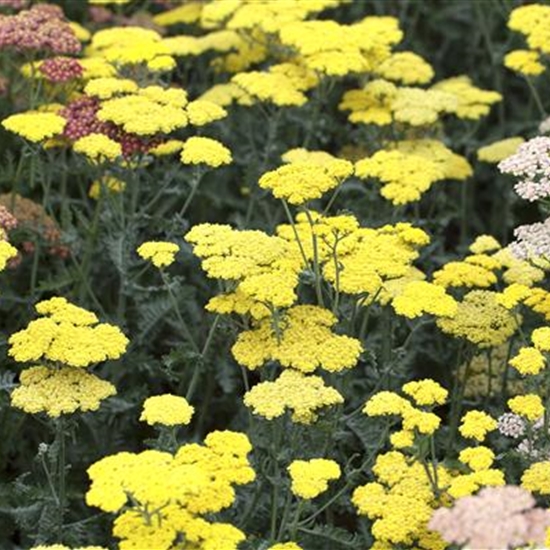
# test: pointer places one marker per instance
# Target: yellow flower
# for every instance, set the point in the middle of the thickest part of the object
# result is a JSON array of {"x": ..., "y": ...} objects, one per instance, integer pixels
[
  {"x": 7, "y": 252},
  {"x": 478, "y": 458},
  {"x": 285, "y": 546},
  {"x": 201, "y": 112},
  {"x": 107, "y": 87},
  {"x": 537, "y": 478},
  {"x": 499, "y": 150},
  {"x": 35, "y": 126},
  {"x": 406, "y": 67},
  {"x": 59, "y": 391},
  {"x": 529, "y": 360},
  {"x": 541, "y": 338},
  {"x": 426, "y": 392},
  {"x": 270, "y": 87},
  {"x": 160, "y": 253},
  {"x": 484, "y": 244},
  {"x": 386, "y": 403},
  {"x": 529, "y": 406},
  {"x": 166, "y": 409},
  {"x": 98, "y": 147},
  {"x": 299, "y": 182},
  {"x": 303, "y": 395},
  {"x": 67, "y": 334},
  {"x": 109, "y": 184},
  {"x": 419, "y": 297},
  {"x": 526, "y": 62},
  {"x": 201, "y": 150},
  {"x": 476, "y": 425},
  {"x": 305, "y": 342},
  {"x": 310, "y": 477}
]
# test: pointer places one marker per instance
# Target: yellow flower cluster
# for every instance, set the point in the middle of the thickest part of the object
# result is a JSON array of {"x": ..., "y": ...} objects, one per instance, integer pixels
[
  {"x": 310, "y": 477},
  {"x": 67, "y": 334},
  {"x": 161, "y": 498},
  {"x": 531, "y": 359},
  {"x": 7, "y": 252},
  {"x": 537, "y": 478},
  {"x": 419, "y": 297},
  {"x": 300, "y": 182},
  {"x": 303, "y": 340},
  {"x": 424, "y": 393},
  {"x": 166, "y": 409},
  {"x": 98, "y": 147},
  {"x": 160, "y": 253},
  {"x": 202, "y": 150},
  {"x": 400, "y": 503},
  {"x": 476, "y": 425},
  {"x": 532, "y": 21},
  {"x": 529, "y": 406},
  {"x": 123, "y": 46},
  {"x": 108, "y": 86},
  {"x": 285, "y": 546},
  {"x": 106, "y": 184},
  {"x": 264, "y": 268},
  {"x": 303, "y": 395},
  {"x": 499, "y": 150},
  {"x": 405, "y": 67},
  {"x": 480, "y": 319},
  {"x": 276, "y": 88},
  {"x": 59, "y": 391},
  {"x": 35, "y": 126},
  {"x": 407, "y": 169}
]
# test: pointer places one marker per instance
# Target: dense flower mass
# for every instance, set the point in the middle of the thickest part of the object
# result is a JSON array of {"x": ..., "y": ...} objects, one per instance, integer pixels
[
  {"x": 310, "y": 477},
  {"x": 160, "y": 253},
  {"x": 168, "y": 410}
]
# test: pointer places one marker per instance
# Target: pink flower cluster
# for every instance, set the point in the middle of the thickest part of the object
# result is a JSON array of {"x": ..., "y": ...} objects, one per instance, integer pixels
[
  {"x": 7, "y": 220},
  {"x": 41, "y": 28},
  {"x": 497, "y": 517},
  {"x": 81, "y": 116},
  {"x": 61, "y": 69},
  {"x": 531, "y": 162},
  {"x": 532, "y": 241}
]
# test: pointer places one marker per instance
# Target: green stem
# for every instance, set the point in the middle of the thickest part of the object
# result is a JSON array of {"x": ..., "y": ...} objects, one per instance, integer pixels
[
  {"x": 61, "y": 471},
  {"x": 295, "y": 231},
  {"x": 195, "y": 181},
  {"x": 316, "y": 263},
  {"x": 294, "y": 527}
]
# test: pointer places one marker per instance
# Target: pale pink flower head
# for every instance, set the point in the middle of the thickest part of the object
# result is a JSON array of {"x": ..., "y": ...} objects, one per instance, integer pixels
[{"x": 495, "y": 518}]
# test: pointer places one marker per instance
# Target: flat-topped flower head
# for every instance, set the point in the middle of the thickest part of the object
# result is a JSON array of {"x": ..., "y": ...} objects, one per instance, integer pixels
[
  {"x": 35, "y": 126},
  {"x": 159, "y": 253},
  {"x": 205, "y": 151},
  {"x": 310, "y": 477},
  {"x": 98, "y": 147},
  {"x": 167, "y": 409},
  {"x": 68, "y": 335},
  {"x": 477, "y": 424}
]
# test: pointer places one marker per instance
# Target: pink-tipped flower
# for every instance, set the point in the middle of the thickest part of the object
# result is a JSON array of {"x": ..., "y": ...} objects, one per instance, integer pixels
[{"x": 61, "y": 69}]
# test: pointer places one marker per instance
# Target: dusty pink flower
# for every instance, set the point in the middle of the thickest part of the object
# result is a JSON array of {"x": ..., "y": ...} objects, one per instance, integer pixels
[
  {"x": 495, "y": 518},
  {"x": 41, "y": 28},
  {"x": 532, "y": 241}
]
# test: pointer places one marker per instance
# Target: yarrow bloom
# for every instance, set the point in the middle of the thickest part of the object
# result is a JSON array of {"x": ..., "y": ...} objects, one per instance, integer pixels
[
  {"x": 497, "y": 517},
  {"x": 532, "y": 241},
  {"x": 537, "y": 478},
  {"x": 98, "y": 147},
  {"x": 160, "y": 253},
  {"x": 61, "y": 69},
  {"x": 476, "y": 425},
  {"x": 528, "y": 406},
  {"x": 531, "y": 163},
  {"x": 35, "y": 126},
  {"x": 167, "y": 409},
  {"x": 310, "y": 477},
  {"x": 303, "y": 395},
  {"x": 499, "y": 150},
  {"x": 202, "y": 150}
]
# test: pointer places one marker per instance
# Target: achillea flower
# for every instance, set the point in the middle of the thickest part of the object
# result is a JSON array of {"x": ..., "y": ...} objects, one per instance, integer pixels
[
  {"x": 107, "y": 87},
  {"x": 499, "y": 150},
  {"x": 480, "y": 319},
  {"x": 531, "y": 163},
  {"x": 160, "y": 253},
  {"x": 270, "y": 87},
  {"x": 166, "y": 409},
  {"x": 299, "y": 182},
  {"x": 532, "y": 241},
  {"x": 476, "y": 425},
  {"x": 305, "y": 342},
  {"x": 98, "y": 147},
  {"x": 67, "y": 334},
  {"x": 310, "y": 477},
  {"x": 35, "y": 126},
  {"x": 201, "y": 112},
  {"x": 537, "y": 478},
  {"x": 285, "y": 546},
  {"x": 59, "y": 391},
  {"x": 426, "y": 392},
  {"x": 528, "y": 406},
  {"x": 61, "y": 69},
  {"x": 529, "y": 360},
  {"x": 303, "y": 395},
  {"x": 511, "y": 425},
  {"x": 420, "y": 297},
  {"x": 497, "y": 517},
  {"x": 526, "y": 62},
  {"x": 202, "y": 150},
  {"x": 7, "y": 252},
  {"x": 41, "y": 28}
]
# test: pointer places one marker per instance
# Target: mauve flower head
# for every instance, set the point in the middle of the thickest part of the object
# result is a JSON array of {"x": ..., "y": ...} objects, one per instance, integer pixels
[
  {"x": 497, "y": 517},
  {"x": 41, "y": 28},
  {"x": 7, "y": 220},
  {"x": 531, "y": 163},
  {"x": 61, "y": 69}
]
